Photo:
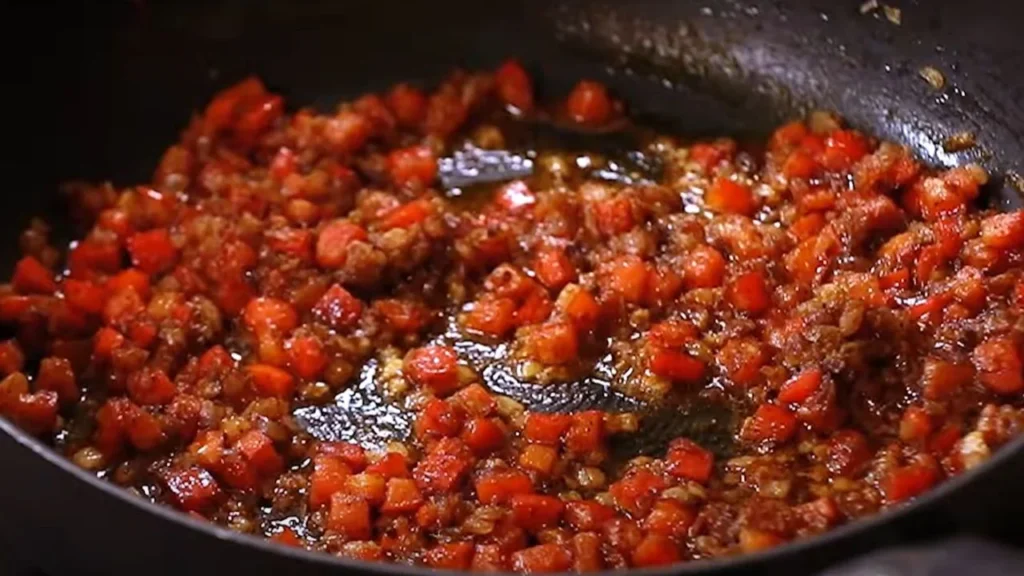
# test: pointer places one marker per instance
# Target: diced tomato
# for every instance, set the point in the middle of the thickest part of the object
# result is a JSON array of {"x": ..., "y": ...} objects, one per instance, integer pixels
[
  {"x": 328, "y": 478},
  {"x": 542, "y": 558},
  {"x": 334, "y": 240},
  {"x": 434, "y": 367},
  {"x": 704, "y": 267},
  {"x": 636, "y": 492},
  {"x": 444, "y": 467},
  {"x": 105, "y": 342},
  {"x": 536, "y": 511},
  {"x": 483, "y": 436},
  {"x": 730, "y": 197},
  {"x": 553, "y": 268},
  {"x": 347, "y": 132},
  {"x": 193, "y": 489},
  {"x": 749, "y": 293},
  {"x": 999, "y": 365},
  {"x": 589, "y": 103},
  {"x": 539, "y": 458},
  {"x": 416, "y": 164},
  {"x": 338, "y": 308},
  {"x": 514, "y": 86},
  {"x": 402, "y": 496},
  {"x": 268, "y": 315},
  {"x": 57, "y": 375},
  {"x": 408, "y": 104},
  {"x": 769, "y": 423},
  {"x": 552, "y": 343},
  {"x": 31, "y": 277},
  {"x": 349, "y": 516},
  {"x": 498, "y": 487},
  {"x": 1003, "y": 231},
  {"x": 686, "y": 459},
  {"x": 655, "y": 550},
  {"x": 258, "y": 449},
  {"x": 669, "y": 518},
  {"x": 587, "y": 515},
  {"x": 151, "y": 387},
  {"x": 842, "y": 149},
  {"x": 742, "y": 360},
  {"x": 152, "y": 251},
  {"x": 407, "y": 215},
  {"x": 90, "y": 256},
  {"x": 271, "y": 381},
  {"x": 908, "y": 481},
  {"x": 800, "y": 387},
  {"x": 585, "y": 433},
  {"x": 451, "y": 556}
]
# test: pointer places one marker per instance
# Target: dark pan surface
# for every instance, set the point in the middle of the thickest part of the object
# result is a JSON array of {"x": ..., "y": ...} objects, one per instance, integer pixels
[{"x": 101, "y": 89}]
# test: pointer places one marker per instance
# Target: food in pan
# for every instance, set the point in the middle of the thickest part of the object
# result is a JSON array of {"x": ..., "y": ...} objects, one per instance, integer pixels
[{"x": 856, "y": 310}]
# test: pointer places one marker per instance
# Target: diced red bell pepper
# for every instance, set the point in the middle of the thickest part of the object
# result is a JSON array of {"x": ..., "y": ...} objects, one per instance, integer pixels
[
  {"x": 434, "y": 367},
  {"x": 905, "y": 482},
  {"x": 636, "y": 492},
  {"x": 614, "y": 215},
  {"x": 546, "y": 428},
  {"x": 402, "y": 496},
  {"x": 625, "y": 277},
  {"x": 413, "y": 165},
  {"x": 536, "y": 511},
  {"x": 333, "y": 242},
  {"x": 12, "y": 359},
  {"x": 842, "y": 149},
  {"x": 539, "y": 458},
  {"x": 586, "y": 432},
  {"x": 265, "y": 315},
  {"x": 483, "y": 436},
  {"x": 749, "y": 293},
  {"x": 85, "y": 296},
  {"x": 444, "y": 467},
  {"x": 655, "y": 550},
  {"x": 31, "y": 277},
  {"x": 589, "y": 103},
  {"x": 407, "y": 215},
  {"x": 676, "y": 366},
  {"x": 553, "y": 268},
  {"x": 687, "y": 459},
  {"x": 271, "y": 381},
  {"x": 1003, "y": 231},
  {"x": 192, "y": 489},
  {"x": 769, "y": 423},
  {"x": 306, "y": 356},
  {"x": 152, "y": 251},
  {"x": 552, "y": 343},
  {"x": 498, "y": 487},
  {"x": 580, "y": 307},
  {"x": 587, "y": 515},
  {"x": 999, "y": 365},
  {"x": 494, "y": 317},
  {"x": 151, "y": 387},
  {"x": 475, "y": 400},
  {"x": 347, "y": 132},
  {"x": 670, "y": 518},
  {"x": 350, "y": 517},
  {"x": 57, "y": 375},
  {"x": 328, "y": 478},
  {"x": 450, "y": 556},
  {"x": 704, "y": 267},
  {"x": 728, "y": 196},
  {"x": 514, "y": 85},
  {"x": 800, "y": 387},
  {"x": 258, "y": 449},
  {"x": 408, "y": 104},
  {"x": 131, "y": 278},
  {"x": 369, "y": 487}
]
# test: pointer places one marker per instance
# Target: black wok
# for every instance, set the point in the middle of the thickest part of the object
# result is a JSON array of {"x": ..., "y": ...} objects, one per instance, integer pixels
[{"x": 95, "y": 91}]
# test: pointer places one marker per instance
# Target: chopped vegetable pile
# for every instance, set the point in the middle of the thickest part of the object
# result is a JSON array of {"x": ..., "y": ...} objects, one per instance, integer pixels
[{"x": 856, "y": 309}]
